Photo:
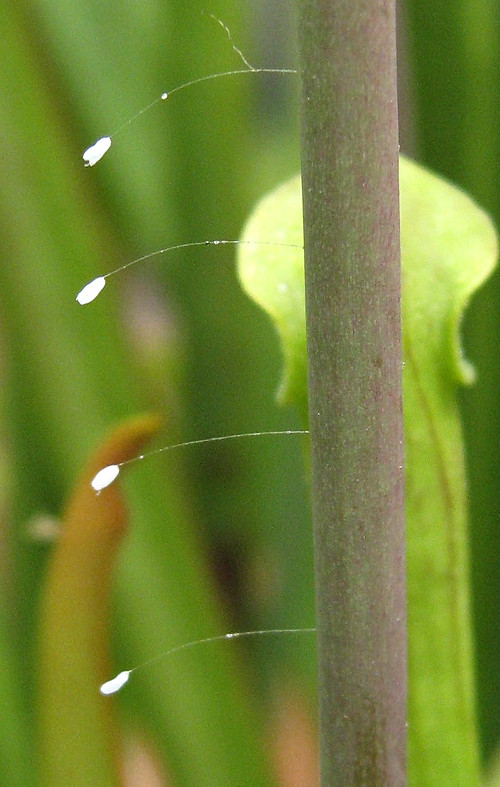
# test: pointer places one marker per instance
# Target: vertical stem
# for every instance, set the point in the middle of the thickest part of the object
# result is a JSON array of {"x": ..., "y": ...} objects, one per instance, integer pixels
[{"x": 351, "y": 225}]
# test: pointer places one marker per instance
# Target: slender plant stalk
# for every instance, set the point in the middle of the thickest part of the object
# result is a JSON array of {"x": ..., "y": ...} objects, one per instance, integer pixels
[{"x": 351, "y": 226}]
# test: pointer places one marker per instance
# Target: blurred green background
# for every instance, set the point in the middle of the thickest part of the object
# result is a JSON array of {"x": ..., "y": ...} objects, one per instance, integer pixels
[{"x": 220, "y": 537}]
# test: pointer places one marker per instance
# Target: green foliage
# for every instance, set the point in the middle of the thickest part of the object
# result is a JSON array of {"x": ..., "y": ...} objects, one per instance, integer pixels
[
  {"x": 73, "y": 630},
  {"x": 449, "y": 248},
  {"x": 453, "y": 88},
  {"x": 72, "y": 372},
  {"x": 274, "y": 277},
  {"x": 181, "y": 339}
]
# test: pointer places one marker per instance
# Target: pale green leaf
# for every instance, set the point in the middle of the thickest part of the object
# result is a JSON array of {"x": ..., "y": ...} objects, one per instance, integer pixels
[
  {"x": 274, "y": 277},
  {"x": 449, "y": 248}
]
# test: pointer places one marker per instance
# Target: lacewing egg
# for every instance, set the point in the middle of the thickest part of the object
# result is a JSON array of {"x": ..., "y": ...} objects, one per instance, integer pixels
[
  {"x": 104, "y": 477},
  {"x": 116, "y": 683},
  {"x": 95, "y": 152},
  {"x": 91, "y": 290}
]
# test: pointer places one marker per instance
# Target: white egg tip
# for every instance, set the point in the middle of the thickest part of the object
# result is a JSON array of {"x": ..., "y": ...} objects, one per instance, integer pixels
[
  {"x": 95, "y": 152},
  {"x": 91, "y": 290},
  {"x": 104, "y": 477},
  {"x": 115, "y": 684}
]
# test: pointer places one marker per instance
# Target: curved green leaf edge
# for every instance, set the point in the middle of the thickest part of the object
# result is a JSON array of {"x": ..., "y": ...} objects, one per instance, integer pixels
[
  {"x": 274, "y": 277},
  {"x": 449, "y": 248},
  {"x": 456, "y": 249}
]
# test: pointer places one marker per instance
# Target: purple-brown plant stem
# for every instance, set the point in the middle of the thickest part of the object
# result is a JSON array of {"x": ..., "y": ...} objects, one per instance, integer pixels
[{"x": 352, "y": 253}]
